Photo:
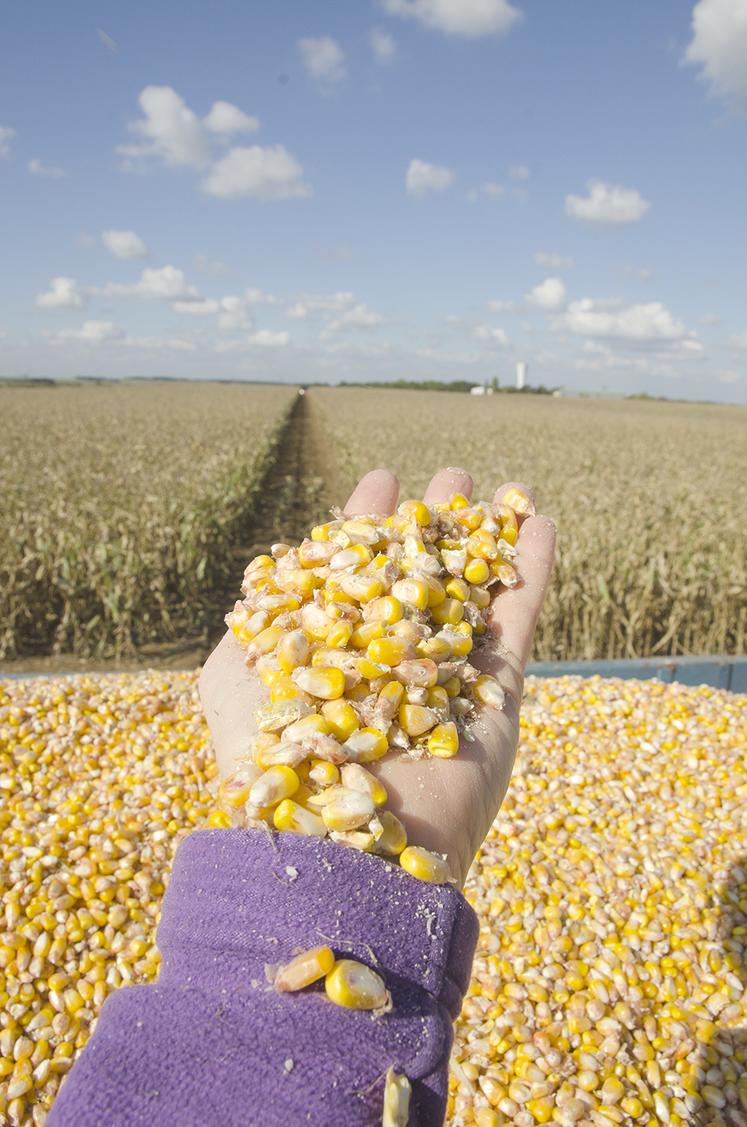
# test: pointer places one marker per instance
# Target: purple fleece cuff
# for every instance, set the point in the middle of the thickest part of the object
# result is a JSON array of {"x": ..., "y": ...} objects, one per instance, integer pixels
[{"x": 212, "y": 1043}]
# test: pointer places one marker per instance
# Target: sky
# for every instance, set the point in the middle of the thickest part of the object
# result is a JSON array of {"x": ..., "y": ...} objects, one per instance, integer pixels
[{"x": 381, "y": 189}]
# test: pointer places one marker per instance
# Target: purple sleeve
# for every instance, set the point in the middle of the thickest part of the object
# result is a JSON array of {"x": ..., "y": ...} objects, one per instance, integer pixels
[{"x": 212, "y": 1043}]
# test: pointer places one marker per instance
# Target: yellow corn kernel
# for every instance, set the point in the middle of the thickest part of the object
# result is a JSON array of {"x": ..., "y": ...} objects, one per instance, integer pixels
[
  {"x": 284, "y": 689},
  {"x": 424, "y": 865},
  {"x": 412, "y": 592},
  {"x": 347, "y": 809},
  {"x": 458, "y": 501},
  {"x": 307, "y": 967},
  {"x": 356, "y": 777},
  {"x": 437, "y": 697},
  {"x": 386, "y": 609},
  {"x": 265, "y": 641},
  {"x": 437, "y": 649},
  {"x": 471, "y": 519},
  {"x": 443, "y": 741},
  {"x": 275, "y": 784},
  {"x": 458, "y": 589},
  {"x": 415, "y": 719},
  {"x": 509, "y": 524},
  {"x": 289, "y": 815},
  {"x": 450, "y": 611},
  {"x": 326, "y": 682},
  {"x": 357, "y": 555},
  {"x": 259, "y": 565},
  {"x": 416, "y": 510},
  {"x": 420, "y": 671},
  {"x": 362, "y": 586},
  {"x": 218, "y": 819},
  {"x": 339, "y": 633},
  {"x": 397, "y": 1092},
  {"x": 453, "y": 686},
  {"x": 393, "y": 837},
  {"x": 316, "y": 553},
  {"x": 340, "y": 718},
  {"x": 292, "y": 650},
  {"x": 298, "y": 581},
  {"x": 389, "y": 699},
  {"x": 234, "y": 792},
  {"x": 366, "y": 745},
  {"x": 477, "y": 571},
  {"x": 489, "y": 692},
  {"x": 390, "y": 651},
  {"x": 479, "y": 596},
  {"x": 481, "y": 545},
  {"x": 370, "y": 670},
  {"x": 324, "y": 773},
  {"x": 632, "y": 1106},
  {"x": 275, "y": 717},
  {"x": 506, "y": 572},
  {"x": 355, "y": 986},
  {"x": 314, "y": 724},
  {"x": 364, "y": 634},
  {"x": 519, "y": 501},
  {"x": 436, "y": 590},
  {"x": 322, "y": 531},
  {"x": 459, "y": 641}
]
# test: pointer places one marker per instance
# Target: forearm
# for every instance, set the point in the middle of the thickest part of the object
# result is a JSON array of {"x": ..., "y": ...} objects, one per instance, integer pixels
[{"x": 212, "y": 1042}]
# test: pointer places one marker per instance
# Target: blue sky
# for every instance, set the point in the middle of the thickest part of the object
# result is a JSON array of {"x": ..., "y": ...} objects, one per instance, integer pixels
[{"x": 373, "y": 190}]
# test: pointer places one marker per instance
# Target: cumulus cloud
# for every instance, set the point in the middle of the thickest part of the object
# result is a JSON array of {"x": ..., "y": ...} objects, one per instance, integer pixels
[
  {"x": 358, "y": 316},
  {"x": 124, "y": 244},
  {"x": 226, "y": 118},
  {"x": 553, "y": 261},
  {"x": 719, "y": 47},
  {"x": 6, "y": 136},
  {"x": 613, "y": 320},
  {"x": 92, "y": 332},
  {"x": 169, "y": 129},
  {"x": 422, "y": 177},
  {"x": 36, "y": 168},
  {"x": 162, "y": 283},
  {"x": 383, "y": 46},
  {"x": 550, "y": 294},
  {"x": 607, "y": 203},
  {"x": 492, "y": 336},
  {"x": 471, "y": 19},
  {"x": 307, "y": 304},
  {"x": 323, "y": 58},
  {"x": 266, "y": 338},
  {"x": 63, "y": 293},
  {"x": 266, "y": 173}
]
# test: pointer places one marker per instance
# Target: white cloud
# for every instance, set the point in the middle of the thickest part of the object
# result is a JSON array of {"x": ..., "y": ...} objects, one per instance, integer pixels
[
  {"x": 124, "y": 244},
  {"x": 499, "y": 306},
  {"x": 383, "y": 46},
  {"x": 162, "y": 283},
  {"x": 491, "y": 336},
  {"x": 170, "y": 129},
  {"x": 719, "y": 46},
  {"x": 550, "y": 294},
  {"x": 63, "y": 293},
  {"x": 266, "y": 338},
  {"x": 607, "y": 203},
  {"x": 519, "y": 172},
  {"x": 422, "y": 177},
  {"x": 226, "y": 118},
  {"x": 254, "y": 296},
  {"x": 266, "y": 173},
  {"x": 92, "y": 332},
  {"x": 740, "y": 340},
  {"x": 323, "y": 58},
  {"x": 36, "y": 168},
  {"x": 359, "y": 316},
  {"x": 313, "y": 303},
  {"x": 6, "y": 136},
  {"x": 469, "y": 18},
  {"x": 202, "y": 308},
  {"x": 159, "y": 344},
  {"x": 553, "y": 261},
  {"x": 205, "y": 265},
  {"x": 614, "y": 320}
]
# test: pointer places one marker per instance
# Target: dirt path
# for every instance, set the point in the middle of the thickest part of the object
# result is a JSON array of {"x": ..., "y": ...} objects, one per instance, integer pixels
[{"x": 297, "y": 490}]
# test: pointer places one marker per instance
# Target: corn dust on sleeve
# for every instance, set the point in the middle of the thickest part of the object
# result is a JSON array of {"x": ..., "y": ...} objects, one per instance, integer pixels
[{"x": 214, "y": 1043}]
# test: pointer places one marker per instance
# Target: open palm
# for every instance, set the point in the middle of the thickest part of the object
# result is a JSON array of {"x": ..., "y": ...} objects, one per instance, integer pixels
[{"x": 445, "y": 805}]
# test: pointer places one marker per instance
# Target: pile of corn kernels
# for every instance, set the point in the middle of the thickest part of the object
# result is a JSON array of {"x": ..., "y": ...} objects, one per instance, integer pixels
[
  {"x": 609, "y": 982},
  {"x": 361, "y": 636}
]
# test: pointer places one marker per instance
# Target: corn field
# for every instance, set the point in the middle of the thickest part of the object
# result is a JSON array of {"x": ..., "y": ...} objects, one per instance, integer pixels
[{"x": 121, "y": 507}]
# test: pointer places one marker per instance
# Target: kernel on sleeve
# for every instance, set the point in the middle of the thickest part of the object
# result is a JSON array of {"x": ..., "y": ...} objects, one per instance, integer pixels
[{"x": 213, "y": 1042}]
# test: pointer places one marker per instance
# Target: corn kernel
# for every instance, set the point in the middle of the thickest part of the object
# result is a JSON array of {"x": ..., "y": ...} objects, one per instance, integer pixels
[
  {"x": 289, "y": 815},
  {"x": 355, "y": 986},
  {"x": 340, "y": 718},
  {"x": 326, "y": 683},
  {"x": 305, "y": 968},
  {"x": 443, "y": 741},
  {"x": 424, "y": 865},
  {"x": 275, "y": 784}
]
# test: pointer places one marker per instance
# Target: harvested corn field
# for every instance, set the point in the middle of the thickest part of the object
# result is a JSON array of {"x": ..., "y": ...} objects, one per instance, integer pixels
[
  {"x": 608, "y": 986},
  {"x": 123, "y": 507},
  {"x": 648, "y": 498}
]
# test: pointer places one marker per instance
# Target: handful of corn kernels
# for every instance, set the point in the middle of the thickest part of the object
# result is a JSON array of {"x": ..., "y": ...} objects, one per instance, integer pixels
[{"x": 362, "y": 636}]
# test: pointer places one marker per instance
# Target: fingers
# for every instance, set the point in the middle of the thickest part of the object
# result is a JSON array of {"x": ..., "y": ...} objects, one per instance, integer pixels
[
  {"x": 515, "y": 611},
  {"x": 444, "y": 484},
  {"x": 376, "y": 492}
]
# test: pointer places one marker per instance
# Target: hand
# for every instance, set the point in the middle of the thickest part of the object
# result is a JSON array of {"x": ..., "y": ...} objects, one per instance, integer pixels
[{"x": 447, "y": 805}]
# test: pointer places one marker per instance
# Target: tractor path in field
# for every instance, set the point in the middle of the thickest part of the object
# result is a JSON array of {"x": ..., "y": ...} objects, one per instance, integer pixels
[{"x": 296, "y": 490}]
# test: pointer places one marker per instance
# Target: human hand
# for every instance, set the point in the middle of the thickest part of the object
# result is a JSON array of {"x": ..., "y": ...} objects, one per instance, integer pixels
[{"x": 449, "y": 805}]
